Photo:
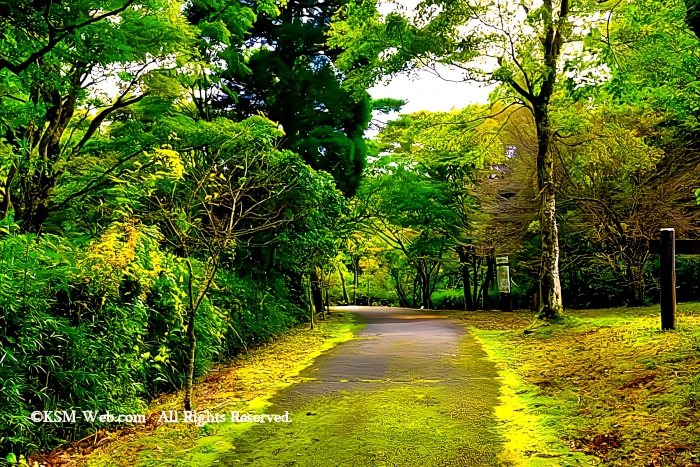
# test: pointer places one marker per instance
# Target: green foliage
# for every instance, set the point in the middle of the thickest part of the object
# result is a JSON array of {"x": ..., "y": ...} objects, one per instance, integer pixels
[
  {"x": 291, "y": 78},
  {"x": 449, "y": 299},
  {"x": 209, "y": 177},
  {"x": 693, "y": 393},
  {"x": 99, "y": 325}
]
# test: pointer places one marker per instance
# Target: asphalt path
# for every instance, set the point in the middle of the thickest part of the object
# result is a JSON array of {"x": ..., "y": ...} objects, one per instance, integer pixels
[{"x": 412, "y": 389}]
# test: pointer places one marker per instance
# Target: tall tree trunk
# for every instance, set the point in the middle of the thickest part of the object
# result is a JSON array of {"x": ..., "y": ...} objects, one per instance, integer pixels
[
  {"x": 369, "y": 303},
  {"x": 194, "y": 303},
  {"x": 33, "y": 210},
  {"x": 189, "y": 387},
  {"x": 475, "y": 270},
  {"x": 466, "y": 285},
  {"x": 466, "y": 282},
  {"x": 416, "y": 291},
  {"x": 316, "y": 293},
  {"x": 635, "y": 284},
  {"x": 488, "y": 279},
  {"x": 310, "y": 299},
  {"x": 403, "y": 300},
  {"x": 551, "y": 282},
  {"x": 192, "y": 338},
  {"x": 346, "y": 300},
  {"x": 426, "y": 302},
  {"x": 356, "y": 279}
]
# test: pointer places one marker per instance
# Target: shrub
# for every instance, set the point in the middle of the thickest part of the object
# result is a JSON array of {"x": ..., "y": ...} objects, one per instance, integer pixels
[
  {"x": 100, "y": 325},
  {"x": 449, "y": 299}
]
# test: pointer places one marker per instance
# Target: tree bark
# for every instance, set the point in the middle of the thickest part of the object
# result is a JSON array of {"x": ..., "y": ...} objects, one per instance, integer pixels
[
  {"x": 189, "y": 388},
  {"x": 316, "y": 293},
  {"x": 194, "y": 304},
  {"x": 416, "y": 288},
  {"x": 426, "y": 302},
  {"x": 635, "y": 285},
  {"x": 403, "y": 300},
  {"x": 466, "y": 282},
  {"x": 346, "y": 299},
  {"x": 551, "y": 282},
  {"x": 311, "y": 303},
  {"x": 32, "y": 210},
  {"x": 369, "y": 303},
  {"x": 356, "y": 279},
  {"x": 475, "y": 270},
  {"x": 488, "y": 279}
]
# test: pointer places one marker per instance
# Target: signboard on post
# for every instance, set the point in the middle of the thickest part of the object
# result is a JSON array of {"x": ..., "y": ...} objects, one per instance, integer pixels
[
  {"x": 503, "y": 277},
  {"x": 503, "y": 274}
]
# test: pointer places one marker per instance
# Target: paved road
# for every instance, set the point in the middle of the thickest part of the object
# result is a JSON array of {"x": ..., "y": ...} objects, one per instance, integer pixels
[{"x": 414, "y": 389}]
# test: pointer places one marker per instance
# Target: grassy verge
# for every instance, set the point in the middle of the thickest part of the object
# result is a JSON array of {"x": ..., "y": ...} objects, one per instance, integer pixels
[
  {"x": 605, "y": 385},
  {"x": 245, "y": 385}
]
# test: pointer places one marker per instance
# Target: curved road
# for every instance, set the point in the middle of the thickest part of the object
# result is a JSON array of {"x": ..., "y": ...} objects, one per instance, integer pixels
[{"x": 413, "y": 389}]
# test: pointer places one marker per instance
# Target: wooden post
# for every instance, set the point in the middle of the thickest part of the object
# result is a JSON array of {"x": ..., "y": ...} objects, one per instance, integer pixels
[{"x": 668, "y": 278}]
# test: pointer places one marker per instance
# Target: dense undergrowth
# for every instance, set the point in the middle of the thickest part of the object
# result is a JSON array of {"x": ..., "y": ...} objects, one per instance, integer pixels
[{"x": 100, "y": 324}]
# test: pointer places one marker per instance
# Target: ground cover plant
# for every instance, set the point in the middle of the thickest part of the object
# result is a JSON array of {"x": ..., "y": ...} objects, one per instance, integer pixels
[{"x": 609, "y": 383}]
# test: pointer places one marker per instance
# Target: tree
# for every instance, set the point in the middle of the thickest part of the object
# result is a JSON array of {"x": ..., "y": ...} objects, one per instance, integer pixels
[
  {"x": 32, "y": 31},
  {"x": 289, "y": 75},
  {"x": 52, "y": 111},
  {"x": 449, "y": 148},
  {"x": 520, "y": 46},
  {"x": 230, "y": 190},
  {"x": 408, "y": 212},
  {"x": 627, "y": 180}
]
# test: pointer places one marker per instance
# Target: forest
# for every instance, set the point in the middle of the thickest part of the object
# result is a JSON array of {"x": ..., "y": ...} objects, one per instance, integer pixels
[{"x": 182, "y": 181}]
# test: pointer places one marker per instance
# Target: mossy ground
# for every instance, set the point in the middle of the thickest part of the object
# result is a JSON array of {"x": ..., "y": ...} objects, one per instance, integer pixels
[
  {"x": 607, "y": 383},
  {"x": 244, "y": 385}
]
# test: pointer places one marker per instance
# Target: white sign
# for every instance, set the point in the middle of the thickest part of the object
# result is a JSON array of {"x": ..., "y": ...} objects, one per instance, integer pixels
[{"x": 503, "y": 275}]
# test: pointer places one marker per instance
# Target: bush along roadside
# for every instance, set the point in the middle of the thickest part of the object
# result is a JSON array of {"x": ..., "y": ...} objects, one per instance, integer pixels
[
  {"x": 100, "y": 325},
  {"x": 246, "y": 385}
]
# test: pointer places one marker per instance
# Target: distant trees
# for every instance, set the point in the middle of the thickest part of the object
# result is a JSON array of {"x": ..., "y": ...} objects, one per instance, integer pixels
[
  {"x": 520, "y": 46},
  {"x": 466, "y": 183},
  {"x": 549, "y": 57},
  {"x": 416, "y": 199}
]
